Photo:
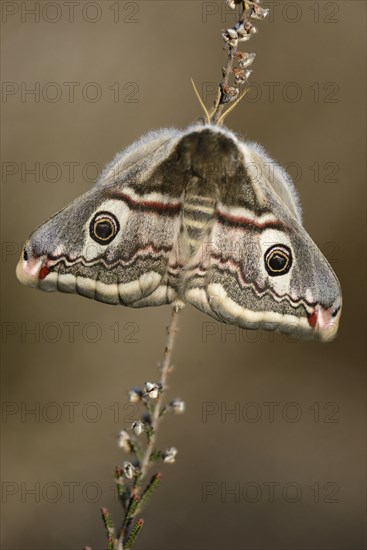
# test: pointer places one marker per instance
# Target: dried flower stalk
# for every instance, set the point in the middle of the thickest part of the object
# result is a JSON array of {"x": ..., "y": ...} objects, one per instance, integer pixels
[
  {"x": 242, "y": 31},
  {"x": 131, "y": 478}
]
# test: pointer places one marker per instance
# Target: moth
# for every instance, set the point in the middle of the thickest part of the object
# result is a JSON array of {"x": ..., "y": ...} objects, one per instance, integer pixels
[{"x": 193, "y": 216}]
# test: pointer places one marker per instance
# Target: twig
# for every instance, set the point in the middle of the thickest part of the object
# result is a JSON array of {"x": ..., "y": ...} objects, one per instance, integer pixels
[
  {"x": 133, "y": 489},
  {"x": 154, "y": 393},
  {"x": 240, "y": 32},
  {"x": 165, "y": 368}
]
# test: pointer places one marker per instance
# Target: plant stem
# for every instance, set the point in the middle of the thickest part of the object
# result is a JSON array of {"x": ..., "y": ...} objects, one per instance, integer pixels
[
  {"x": 232, "y": 50},
  {"x": 248, "y": 9},
  {"x": 224, "y": 84},
  {"x": 155, "y": 416},
  {"x": 165, "y": 368}
]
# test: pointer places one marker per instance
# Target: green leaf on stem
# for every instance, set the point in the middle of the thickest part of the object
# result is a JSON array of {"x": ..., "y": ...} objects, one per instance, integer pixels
[
  {"x": 107, "y": 519},
  {"x": 134, "y": 533},
  {"x": 133, "y": 505},
  {"x": 154, "y": 482}
]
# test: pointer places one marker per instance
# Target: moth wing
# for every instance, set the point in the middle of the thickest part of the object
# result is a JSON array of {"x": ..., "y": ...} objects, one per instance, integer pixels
[
  {"x": 227, "y": 278},
  {"x": 139, "y": 266}
]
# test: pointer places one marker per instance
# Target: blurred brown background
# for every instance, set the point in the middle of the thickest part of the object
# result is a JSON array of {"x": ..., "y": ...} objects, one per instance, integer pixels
[{"x": 293, "y": 454}]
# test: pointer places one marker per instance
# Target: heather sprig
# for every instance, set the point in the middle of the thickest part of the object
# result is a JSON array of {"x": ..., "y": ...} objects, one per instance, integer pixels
[
  {"x": 235, "y": 74},
  {"x": 134, "y": 483}
]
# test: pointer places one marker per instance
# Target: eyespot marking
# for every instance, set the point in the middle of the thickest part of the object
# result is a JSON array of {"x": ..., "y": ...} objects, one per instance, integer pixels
[
  {"x": 104, "y": 227},
  {"x": 278, "y": 260}
]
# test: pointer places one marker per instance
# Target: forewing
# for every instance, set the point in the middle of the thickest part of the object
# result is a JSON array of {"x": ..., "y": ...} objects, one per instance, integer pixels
[{"x": 138, "y": 267}]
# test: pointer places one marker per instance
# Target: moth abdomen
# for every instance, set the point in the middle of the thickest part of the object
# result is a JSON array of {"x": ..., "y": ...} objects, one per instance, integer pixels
[{"x": 206, "y": 157}]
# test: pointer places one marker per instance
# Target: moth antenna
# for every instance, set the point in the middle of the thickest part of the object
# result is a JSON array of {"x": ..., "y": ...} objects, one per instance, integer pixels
[
  {"x": 230, "y": 109},
  {"x": 201, "y": 102}
]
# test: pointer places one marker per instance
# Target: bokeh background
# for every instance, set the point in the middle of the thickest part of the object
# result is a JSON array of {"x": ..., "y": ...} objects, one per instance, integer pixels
[{"x": 286, "y": 470}]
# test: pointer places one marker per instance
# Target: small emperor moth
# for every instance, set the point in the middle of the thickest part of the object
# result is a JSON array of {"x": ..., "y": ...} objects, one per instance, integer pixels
[{"x": 194, "y": 216}]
